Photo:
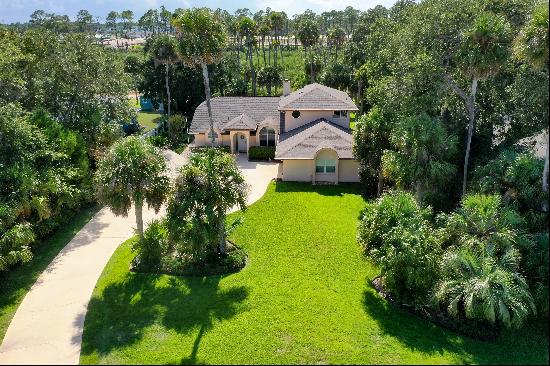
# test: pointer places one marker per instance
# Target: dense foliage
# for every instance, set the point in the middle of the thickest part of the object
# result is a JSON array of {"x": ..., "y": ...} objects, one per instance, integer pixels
[
  {"x": 478, "y": 263},
  {"x": 80, "y": 84},
  {"x": 44, "y": 174},
  {"x": 205, "y": 190},
  {"x": 396, "y": 234}
]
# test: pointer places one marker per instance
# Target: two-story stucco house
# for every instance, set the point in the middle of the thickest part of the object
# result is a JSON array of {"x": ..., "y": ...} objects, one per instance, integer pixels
[{"x": 309, "y": 127}]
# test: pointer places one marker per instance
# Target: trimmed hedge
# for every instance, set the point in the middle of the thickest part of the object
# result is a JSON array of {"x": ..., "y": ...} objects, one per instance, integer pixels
[{"x": 261, "y": 152}]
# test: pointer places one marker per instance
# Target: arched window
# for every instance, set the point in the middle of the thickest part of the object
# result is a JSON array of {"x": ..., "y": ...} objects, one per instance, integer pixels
[{"x": 267, "y": 136}]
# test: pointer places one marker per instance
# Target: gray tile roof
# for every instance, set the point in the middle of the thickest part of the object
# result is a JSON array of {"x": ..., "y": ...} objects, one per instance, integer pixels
[
  {"x": 305, "y": 141},
  {"x": 241, "y": 122},
  {"x": 224, "y": 109},
  {"x": 317, "y": 97}
]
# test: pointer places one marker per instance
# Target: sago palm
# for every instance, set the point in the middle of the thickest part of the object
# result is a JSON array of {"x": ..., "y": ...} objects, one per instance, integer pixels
[{"x": 483, "y": 286}]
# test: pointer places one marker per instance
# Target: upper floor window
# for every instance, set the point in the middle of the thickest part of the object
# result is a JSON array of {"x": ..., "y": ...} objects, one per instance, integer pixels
[
  {"x": 267, "y": 136},
  {"x": 296, "y": 114},
  {"x": 340, "y": 114}
]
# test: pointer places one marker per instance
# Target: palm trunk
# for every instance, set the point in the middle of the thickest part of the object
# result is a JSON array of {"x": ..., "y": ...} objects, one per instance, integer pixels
[
  {"x": 263, "y": 50},
  {"x": 139, "y": 217},
  {"x": 282, "y": 62},
  {"x": 208, "y": 106},
  {"x": 253, "y": 72},
  {"x": 470, "y": 105},
  {"x": 167, "y": 89}
]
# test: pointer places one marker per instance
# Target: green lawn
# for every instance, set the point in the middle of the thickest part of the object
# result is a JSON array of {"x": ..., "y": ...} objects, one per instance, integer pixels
[
  {"x": 148, "y": 120},
  {"x": 304, "y": 297},
  {"x": 15, "y": 284}
]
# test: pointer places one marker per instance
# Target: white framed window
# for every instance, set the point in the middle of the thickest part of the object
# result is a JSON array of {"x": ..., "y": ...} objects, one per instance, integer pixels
[
  {"x": 267, "y": 136},
  {"x": 325, "y": 166}
]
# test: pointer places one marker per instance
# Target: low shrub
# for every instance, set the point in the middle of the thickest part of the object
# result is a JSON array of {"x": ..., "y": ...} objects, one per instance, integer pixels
[
  {"x": 177, "y": 125},
  {"x": 213, "y": 264},
  {"x": 261, "y": 152},
  {"x": 158, "y": 141},
  {"x": 151, "y": 247}
]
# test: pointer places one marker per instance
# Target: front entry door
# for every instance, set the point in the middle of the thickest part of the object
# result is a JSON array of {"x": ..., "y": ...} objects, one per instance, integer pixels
[{"x": 241, "y": 143}]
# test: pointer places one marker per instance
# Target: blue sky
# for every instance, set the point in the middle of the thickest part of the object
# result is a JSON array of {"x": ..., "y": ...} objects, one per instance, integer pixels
[{"x": 20, "y": 10}]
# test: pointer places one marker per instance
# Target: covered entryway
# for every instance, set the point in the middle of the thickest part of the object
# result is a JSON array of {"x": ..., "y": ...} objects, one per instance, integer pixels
[
  {"x": 326, "y": 166},
  {"x": 240, "y": 143}
]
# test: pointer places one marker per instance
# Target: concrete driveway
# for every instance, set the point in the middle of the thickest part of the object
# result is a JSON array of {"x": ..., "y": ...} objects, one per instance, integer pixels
[
  {"x": 47, "y": 327},
  {"x": 258, "y": 175}
]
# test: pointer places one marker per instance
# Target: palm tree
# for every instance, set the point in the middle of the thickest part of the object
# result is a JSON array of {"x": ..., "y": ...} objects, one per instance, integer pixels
[
  {"x": 164, "y": 52},
  {"x": 111, "y": 22},
  {"x": 247, "y": 28},
  {"x": 132, "y": 171},
  {"x": 201, "y": 41},
  {"x": 480, "y": 285},
  {"x": 485, "y": 49},
  {"x": 308, "y": 32},
  {"x": 336, "y": 37}
]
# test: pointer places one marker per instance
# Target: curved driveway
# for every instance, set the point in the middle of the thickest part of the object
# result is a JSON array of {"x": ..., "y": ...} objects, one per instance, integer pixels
[{"x": 47, "y": 327}]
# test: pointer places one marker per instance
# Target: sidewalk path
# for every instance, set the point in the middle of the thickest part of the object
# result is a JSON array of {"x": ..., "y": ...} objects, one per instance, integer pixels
[{"x": 47, "y": 327}]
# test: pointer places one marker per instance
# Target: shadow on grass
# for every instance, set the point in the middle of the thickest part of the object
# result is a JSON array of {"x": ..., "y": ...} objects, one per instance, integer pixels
[
  {"x": 127, "y": 308},
  {"x": 325, "y": 190},
  {"x": 420, "y": 335}
]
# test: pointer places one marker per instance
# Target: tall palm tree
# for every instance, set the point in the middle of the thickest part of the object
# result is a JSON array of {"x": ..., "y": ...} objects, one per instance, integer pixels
[
  {"x": 308, "y": 32},
  {"x": 201, "y": 41},
  {"x": 248, "y": 29},
  {"x": 164, "y": 52}
]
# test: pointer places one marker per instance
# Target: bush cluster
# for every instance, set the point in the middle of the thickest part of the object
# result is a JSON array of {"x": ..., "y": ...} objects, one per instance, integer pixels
[
  {"x": 475, "y": 264},
  {"x": 192, "y": 240},
  {"x": 261, "y": 152},
  {"x": 44, "y": 175}
]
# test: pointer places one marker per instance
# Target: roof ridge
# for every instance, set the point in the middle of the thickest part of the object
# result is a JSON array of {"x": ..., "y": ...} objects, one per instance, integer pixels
[
  {"x": 327, "y": 91},
  {"x": 299, "y": 132}
]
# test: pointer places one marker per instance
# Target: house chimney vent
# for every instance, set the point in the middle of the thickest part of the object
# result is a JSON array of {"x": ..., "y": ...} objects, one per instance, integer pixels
[{"x": 286, "y": 87}]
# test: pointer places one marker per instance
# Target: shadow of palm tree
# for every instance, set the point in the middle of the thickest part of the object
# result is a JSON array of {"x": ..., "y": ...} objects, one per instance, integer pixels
[{"x": 119, "y": 318}]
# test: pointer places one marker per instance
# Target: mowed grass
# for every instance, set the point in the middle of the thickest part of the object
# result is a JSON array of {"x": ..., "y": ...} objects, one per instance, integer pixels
[
  {"x": 15, "y": 284},
  {"x": 149, "y": 120},
  {"x": 304, "y": 297}
]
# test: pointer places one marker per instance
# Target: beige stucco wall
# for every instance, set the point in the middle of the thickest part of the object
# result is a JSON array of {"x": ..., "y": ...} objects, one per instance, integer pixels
[
  {"x": 226, "y": 140},
  {"x": 308, "y": 116},
  {"x": 200, "y": 139},
  {"x": 348, "y": 171},
  {"x": 297, "y": 170}
]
